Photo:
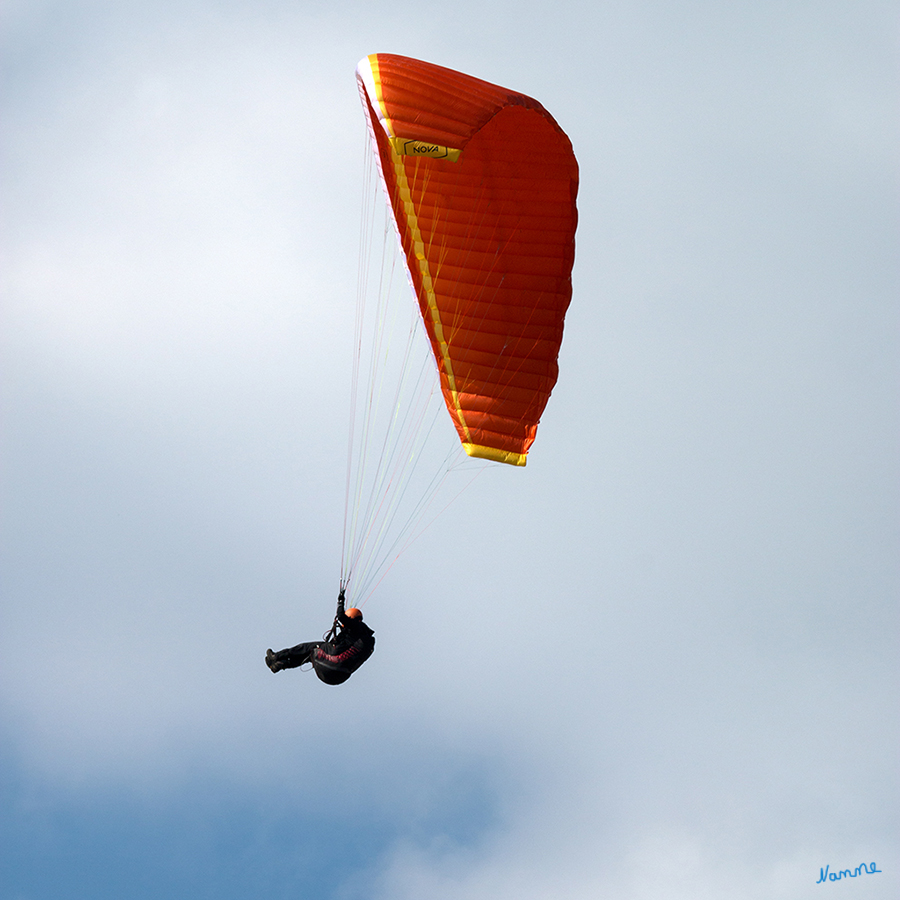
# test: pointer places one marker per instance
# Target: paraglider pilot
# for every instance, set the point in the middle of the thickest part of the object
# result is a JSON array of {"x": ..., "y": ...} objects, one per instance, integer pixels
[{"x": 345, "y": 648}]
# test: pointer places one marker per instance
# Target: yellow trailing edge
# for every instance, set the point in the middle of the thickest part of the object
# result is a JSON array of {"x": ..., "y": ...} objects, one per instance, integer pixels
[
  {"x": 406, "y": 147},
  {"x": 503, "y": 456}
]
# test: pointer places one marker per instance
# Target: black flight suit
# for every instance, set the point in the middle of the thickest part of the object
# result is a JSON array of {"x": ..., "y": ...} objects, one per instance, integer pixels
[{"x": 335, "y": 660}]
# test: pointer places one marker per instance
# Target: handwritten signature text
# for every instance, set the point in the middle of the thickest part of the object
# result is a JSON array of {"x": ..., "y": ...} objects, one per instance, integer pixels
[{"x": 825, "y": 875}]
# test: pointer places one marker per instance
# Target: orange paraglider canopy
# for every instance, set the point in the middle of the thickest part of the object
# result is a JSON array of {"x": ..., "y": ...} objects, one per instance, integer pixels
[{"x": 482, "y": 183}]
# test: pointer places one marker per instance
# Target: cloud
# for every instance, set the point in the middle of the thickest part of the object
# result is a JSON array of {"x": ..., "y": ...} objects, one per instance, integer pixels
[{"x": 658, "y": 662}]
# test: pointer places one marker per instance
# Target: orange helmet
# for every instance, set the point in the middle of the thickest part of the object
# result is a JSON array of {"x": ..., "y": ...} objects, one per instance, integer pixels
[{"x": 354, "y": 613}]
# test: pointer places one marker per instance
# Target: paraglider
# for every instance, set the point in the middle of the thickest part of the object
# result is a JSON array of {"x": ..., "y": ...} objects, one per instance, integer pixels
[
  {"x": 481, "y": 184},
  {"x": 345, "y": 648}
]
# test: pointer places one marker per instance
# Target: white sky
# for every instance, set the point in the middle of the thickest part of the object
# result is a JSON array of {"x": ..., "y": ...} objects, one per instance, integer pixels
[{"x": 660, "y": 662}]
